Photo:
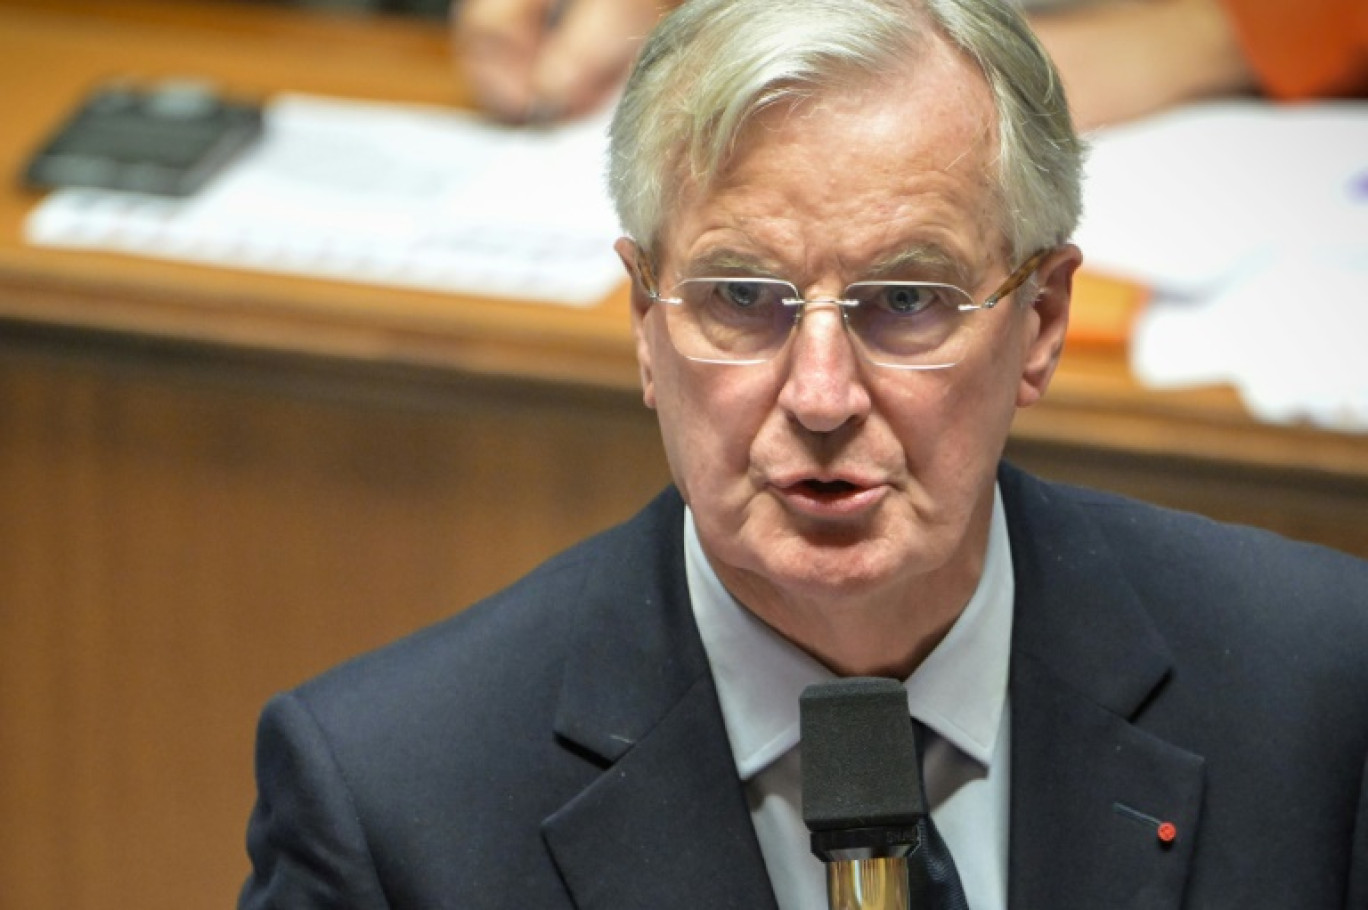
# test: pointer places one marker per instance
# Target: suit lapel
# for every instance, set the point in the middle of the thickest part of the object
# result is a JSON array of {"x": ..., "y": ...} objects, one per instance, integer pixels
[
  {"x": 666, "y": 824},
  {"x": 1089, "y": 793},
  {"x": 1090, "y": 788},
  {"x": 652, "y": 830}
]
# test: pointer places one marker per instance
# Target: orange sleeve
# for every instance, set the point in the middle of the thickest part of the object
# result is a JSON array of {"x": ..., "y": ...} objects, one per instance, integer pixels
[{"x": 1312, "y": 48}]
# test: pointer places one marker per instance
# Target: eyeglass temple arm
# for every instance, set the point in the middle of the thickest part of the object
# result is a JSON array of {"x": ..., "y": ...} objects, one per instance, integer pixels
[
  {"x": 1017, "y": 278},
  {"x": 645, "y": 273}
]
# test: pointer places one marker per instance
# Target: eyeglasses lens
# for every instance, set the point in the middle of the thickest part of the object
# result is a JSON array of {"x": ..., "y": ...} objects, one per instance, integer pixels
[{"x": 749, "y": 320}]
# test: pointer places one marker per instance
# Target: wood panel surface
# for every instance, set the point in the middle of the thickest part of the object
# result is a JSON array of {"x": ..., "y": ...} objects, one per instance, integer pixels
[{"x": 184, "y": 533}]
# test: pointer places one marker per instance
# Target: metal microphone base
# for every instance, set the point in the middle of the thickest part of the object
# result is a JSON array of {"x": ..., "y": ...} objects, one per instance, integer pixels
[{"x": 869, "y": 884}]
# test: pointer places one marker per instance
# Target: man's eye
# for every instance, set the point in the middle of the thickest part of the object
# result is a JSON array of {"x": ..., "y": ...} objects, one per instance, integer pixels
[
  {"x": 742, "y": 294},
  {"x": 904, "y": 300}
]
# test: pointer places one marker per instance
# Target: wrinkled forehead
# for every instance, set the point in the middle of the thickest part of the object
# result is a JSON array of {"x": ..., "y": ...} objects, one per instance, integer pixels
[
  {"x": 881, "y": 138},
  {"x": 938, "y": 102}
]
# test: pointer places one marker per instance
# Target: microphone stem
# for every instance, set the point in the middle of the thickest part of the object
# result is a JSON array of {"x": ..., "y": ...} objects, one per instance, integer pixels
[{"x": 869, "y": 884}]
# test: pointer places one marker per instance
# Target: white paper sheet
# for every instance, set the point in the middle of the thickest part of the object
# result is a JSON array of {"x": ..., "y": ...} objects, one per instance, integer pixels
[
  {"x": 1249, "y": 221},
  {"x": 419, "y": 197}
]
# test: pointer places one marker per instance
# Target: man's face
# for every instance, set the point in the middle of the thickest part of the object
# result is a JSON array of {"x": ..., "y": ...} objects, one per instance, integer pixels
[{"x": 819, "y": 476}]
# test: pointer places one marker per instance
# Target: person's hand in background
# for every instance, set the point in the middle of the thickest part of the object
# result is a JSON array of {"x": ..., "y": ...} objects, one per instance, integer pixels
[
  {"x": 1124, "y": 59},
  {"x": 536, "y": 60}
]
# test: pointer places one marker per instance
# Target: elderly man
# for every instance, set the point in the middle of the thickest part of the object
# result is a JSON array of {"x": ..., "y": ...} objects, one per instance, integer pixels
[{"x": 848, "y": 241}]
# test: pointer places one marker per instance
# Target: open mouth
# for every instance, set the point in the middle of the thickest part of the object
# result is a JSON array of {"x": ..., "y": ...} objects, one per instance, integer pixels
[
  {"x": 828, "y": 487},
  {"x": 832, "y": 499}
]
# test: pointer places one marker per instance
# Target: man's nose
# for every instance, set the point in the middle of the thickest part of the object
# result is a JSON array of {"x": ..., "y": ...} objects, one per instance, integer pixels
[{"x": 824, "y": 388}]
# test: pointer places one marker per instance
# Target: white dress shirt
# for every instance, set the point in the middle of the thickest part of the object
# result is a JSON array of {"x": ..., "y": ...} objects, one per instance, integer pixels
[{"x": 959, "y": 692}]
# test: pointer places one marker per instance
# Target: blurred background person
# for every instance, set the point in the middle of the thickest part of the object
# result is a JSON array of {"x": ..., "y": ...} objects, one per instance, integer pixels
[{"x": 529, "y": 60}]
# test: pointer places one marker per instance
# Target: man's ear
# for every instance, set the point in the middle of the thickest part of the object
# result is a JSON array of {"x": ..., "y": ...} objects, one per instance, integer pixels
[
  {"x": 633, "y": 262},
  {"x": 1049, "y": 320}
]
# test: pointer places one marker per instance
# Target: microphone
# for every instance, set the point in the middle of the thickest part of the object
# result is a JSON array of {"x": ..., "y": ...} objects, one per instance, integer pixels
[{"x": 862, "y": 793}]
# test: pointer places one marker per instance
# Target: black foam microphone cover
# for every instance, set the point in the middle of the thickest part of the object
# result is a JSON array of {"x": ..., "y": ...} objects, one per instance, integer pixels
[{"x": 860, "y": 767}]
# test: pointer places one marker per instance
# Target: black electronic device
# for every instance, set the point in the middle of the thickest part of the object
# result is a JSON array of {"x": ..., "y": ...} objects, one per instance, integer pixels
[{"x": 167, "y": 139}]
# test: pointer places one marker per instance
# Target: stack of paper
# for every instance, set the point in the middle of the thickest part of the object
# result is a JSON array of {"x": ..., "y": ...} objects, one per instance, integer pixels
[
  {"x": 420, "y": 197},
  {"x": 1249, "y": 222}
]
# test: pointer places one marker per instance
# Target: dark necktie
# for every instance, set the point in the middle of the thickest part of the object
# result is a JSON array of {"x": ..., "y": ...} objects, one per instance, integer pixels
[{"x": 935, "y": 883}]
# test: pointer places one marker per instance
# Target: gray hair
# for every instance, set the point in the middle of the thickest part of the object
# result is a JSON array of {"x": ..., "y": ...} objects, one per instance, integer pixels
[{"x": 712, "y": 65}]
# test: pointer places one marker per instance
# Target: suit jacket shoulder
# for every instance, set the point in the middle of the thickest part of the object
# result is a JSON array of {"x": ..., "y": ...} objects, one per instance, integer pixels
[
  {"x": 556, "y": 745},
  {"x": 1171, "y": 668}
]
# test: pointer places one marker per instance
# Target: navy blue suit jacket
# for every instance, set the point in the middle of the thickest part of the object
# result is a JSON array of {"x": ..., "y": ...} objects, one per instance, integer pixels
[{"x": 560, "y": 744}]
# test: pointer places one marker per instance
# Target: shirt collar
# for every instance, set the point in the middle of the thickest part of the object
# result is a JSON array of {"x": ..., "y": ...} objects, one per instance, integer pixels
[{"x": 959, "y": 691}]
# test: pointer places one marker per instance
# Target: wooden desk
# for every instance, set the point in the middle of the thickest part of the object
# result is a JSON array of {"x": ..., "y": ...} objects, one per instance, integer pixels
[{"x": 214, "y": 483}]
